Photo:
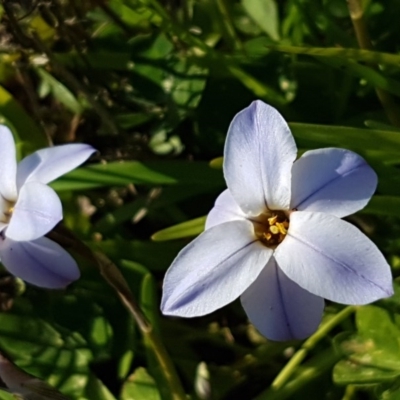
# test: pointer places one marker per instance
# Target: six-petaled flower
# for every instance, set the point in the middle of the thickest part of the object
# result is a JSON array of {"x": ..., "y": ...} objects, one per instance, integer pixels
[
  {"x": 29, "y": 209},
  {"x": 275, "y": 237}
]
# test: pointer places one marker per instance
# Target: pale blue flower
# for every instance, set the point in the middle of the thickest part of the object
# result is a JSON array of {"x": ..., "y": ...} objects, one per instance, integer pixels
[
  {"x": 275, "y": 238},
  {"x": 29, "y": 209}
]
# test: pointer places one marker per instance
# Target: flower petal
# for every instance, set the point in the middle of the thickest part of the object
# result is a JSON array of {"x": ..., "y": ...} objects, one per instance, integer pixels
[
  {"x": 225, "y": 209},
  {"x": 333, "y": 259},
  {"x": 213, "y": 270},
  {"x": 8, "y": 165},
  {"x": 334, "y": 181},
  {"x": 259, "y": 154},
  {"x": 36, "y": 212},
  {"x": 40, "y": 262},
  {"x": 48, "y": 164},
  {"x": 279, "y": 308}
]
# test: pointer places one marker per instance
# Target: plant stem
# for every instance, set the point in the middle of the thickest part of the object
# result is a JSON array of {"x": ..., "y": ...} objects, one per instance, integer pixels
[
  {"x": 229, "y": 28},
  {"x": 349, "y": 393},
  {"x": 309, "y": 373},
  {"x": 116, "y": 280},
  {"x": 308, "y": 345},
  {"x": 364, "y": 41}
]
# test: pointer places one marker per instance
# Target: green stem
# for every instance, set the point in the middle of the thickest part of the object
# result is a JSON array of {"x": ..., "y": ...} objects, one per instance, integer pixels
[
  {"x": 308, "y": 345},
  {"x": 116, "y": 280},
  {"x": 309, "y": 373},
  {"x": 350, "y": 392},
  {"x": 229, "y": 28},
  {"x": 364, "y": 41}
]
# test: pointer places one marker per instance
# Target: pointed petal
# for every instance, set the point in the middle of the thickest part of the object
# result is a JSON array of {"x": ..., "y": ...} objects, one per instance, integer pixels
[
  {"x": 8, "y": 164},
  {"x": 48, "y": 164},
  {"x": 36, "y": 212},
  {"x": 279, "y": 308},
  {"x": 259, "y": 154},
  {"x": 213, "y": 270},
  {"x": 334, "y": 181},
  {"x": 225, "y": 209},
  {"x": 333, "y": 259},
  {"x": 40, "y": 262}
]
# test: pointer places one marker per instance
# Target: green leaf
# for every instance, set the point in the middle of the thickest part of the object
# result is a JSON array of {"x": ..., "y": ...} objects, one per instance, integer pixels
[
  {"x": 148, "y": 298},
  {"x": 6, "y": 396},
  {"x": 351, "y": 138},
  {"x": 140, "y": 385},
  {"x": 265, "y": 14},
  {"x": 138, "y": 16},
  {"x": 383, "y": 205},
  {"x": 186, "y": 229},
  {"x": 390, "y": 393},
  {"x": 373, "y": 57},
  {"x": 348, "y": 372},
  {"x": 27, "y": 131},
  {"x": 39, "y": 349},
  {"x": 259, "y": 88},
  {"x": 132, "y": 120},
  {"x": 186, "y": 84},
  {"x": 96, "y": 390},
  {"x": 148, "y": 173},
  {"x": 388, "y": 179},
  {"x": 60, "y": 91},
  {"x": 217, "y": 163},
  {"x": 373, "y": 354},
  {"x": 373, "y": 76}
]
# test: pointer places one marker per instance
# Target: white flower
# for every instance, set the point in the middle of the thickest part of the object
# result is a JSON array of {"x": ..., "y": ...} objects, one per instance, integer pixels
[
  {"x": 29, "y": 209},
  {"x": 275, "y": 237}
]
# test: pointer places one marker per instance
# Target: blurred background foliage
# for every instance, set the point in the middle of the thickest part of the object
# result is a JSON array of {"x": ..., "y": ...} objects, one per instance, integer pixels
[{"x": 153, "y": 86}]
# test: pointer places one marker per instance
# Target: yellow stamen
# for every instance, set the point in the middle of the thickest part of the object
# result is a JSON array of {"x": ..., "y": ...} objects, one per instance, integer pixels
[
  {"x": 9, "y": 212},
  {"x": 273, "y": 220},
  {"x": 281, "y": 228},
  {"x": 267, "y": 235},
  {"x": 274, "y": 229}
]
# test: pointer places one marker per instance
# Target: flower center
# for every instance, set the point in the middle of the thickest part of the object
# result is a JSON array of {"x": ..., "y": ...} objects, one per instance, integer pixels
[
  {"x": 6, "y": 210},
  {"x": 271, "y": 230}
]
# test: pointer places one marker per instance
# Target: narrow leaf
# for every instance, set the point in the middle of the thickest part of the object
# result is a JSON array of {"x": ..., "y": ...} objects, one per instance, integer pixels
[{"x": 186, "y": 229}]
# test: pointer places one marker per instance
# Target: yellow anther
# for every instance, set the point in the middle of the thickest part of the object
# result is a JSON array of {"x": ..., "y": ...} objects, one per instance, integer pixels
[
  {"x": 281, "y": 228},
  {"x": 274, "y": 229},
  {"x": 9, "y": 212},
  {"x": 267, "y": 235},
  {"x": 272, "y": 220}
]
